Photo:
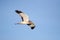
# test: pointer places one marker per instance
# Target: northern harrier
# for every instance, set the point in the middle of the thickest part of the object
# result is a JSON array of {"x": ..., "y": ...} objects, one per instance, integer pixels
[{"x": 25, "y": 19}]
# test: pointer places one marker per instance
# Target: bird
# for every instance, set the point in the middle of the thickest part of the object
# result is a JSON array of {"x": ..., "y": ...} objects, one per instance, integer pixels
[{"x": 25, "y": 19}]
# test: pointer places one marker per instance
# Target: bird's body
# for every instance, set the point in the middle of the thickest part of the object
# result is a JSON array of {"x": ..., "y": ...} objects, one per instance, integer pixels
[{"x": 25, "y": 19}]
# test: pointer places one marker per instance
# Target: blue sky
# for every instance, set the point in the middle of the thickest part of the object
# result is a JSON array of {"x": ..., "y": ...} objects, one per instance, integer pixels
[{"x": 44, "y": 13}]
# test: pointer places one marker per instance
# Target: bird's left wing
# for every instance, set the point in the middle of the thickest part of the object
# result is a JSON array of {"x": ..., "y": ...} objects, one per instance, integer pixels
[{"x": 23, "y": 15}]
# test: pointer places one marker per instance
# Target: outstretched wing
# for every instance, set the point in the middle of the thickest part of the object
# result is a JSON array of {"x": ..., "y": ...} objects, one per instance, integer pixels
[
  {"x": 31, "y": 24},
  {"x": 23, "y": 16}
]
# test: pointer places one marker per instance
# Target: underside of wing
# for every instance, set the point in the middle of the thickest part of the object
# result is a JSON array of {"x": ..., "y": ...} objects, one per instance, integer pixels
[
  {"x": 31, "y": 24},
  {"x": 23, "y": 16}
]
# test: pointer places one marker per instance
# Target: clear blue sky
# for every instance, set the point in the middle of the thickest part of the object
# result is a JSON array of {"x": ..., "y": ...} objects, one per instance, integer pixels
[{"x": 44, "y": 13}]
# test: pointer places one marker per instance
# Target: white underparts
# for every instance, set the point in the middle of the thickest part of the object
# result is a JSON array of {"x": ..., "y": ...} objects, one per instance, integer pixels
[{"x": 24, "y": 22}]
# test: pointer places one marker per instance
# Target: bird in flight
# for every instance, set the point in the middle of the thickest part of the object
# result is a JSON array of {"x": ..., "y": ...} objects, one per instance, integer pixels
[{"x": 25, "y": 19}]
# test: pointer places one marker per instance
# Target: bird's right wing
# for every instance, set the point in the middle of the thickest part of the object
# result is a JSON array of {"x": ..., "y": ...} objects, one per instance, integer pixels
[{"x": 31, "y": 24}]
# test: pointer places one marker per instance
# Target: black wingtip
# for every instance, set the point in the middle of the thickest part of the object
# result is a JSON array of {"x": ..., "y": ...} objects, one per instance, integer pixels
[
  {"x": 17, "y": 11},
  {"x": 32, "y": 27}
]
